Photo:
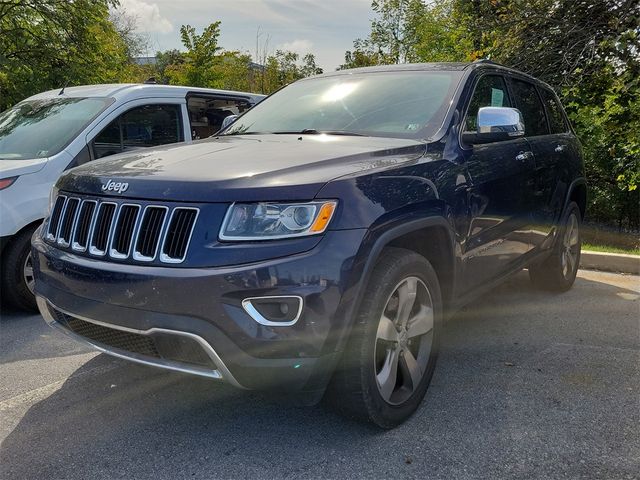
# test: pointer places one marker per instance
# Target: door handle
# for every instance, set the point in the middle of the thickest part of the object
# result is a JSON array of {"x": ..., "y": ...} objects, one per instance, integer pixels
[
  {"x": 522, "y": 156},
  {"x": 560, "y": 148}
]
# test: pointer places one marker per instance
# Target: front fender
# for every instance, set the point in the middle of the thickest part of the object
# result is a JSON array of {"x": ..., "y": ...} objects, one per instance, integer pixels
[{"x": 373, "y": 243}]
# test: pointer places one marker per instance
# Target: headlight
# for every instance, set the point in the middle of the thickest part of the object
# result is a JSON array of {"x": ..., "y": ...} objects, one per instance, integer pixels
[{"x": 269, "y": 221}]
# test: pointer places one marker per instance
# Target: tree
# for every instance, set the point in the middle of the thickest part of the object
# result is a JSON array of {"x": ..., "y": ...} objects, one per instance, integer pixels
[
  {"x": 283, "y": 67},
  {"x": 201, "y": 53},
  {"x": 47, "y": 44},
  {"x": 410, "y": 31}
]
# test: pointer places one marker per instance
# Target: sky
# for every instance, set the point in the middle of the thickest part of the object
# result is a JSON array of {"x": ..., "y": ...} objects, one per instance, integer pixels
[{"x": 325, "y": 28}]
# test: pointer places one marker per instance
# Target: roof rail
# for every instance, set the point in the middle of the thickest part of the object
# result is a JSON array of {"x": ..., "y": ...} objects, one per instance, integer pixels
[{"x": 485, "y": 60}]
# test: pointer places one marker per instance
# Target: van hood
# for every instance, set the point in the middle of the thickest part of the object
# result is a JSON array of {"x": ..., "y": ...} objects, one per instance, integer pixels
[
  {"x": 15, "y": 168},
  {"x": 239, "y": 168}
]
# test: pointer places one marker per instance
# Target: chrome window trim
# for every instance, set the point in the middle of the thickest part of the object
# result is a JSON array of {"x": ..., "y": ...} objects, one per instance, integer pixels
[
  {"x": 165, "y": 258},
  {"x": 93, "y": 250},
  {"x": 74, "y": 245},
  {"x": 112, "y": 252},
  {"x": 136, "y": 255},
  {"x": 253, "y": 312},
  {"x": 222, "y": 373}
]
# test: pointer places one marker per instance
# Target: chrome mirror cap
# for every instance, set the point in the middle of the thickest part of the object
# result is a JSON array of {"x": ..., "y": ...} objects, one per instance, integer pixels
[{"x": 500, "y": 120}]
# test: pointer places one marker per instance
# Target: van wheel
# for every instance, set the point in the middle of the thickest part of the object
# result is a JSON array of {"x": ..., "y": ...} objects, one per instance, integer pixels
[
  {"x": 17, "y": 272},
  {"x": 558, "y": 272},
  {"x": 391, "y": 354}
]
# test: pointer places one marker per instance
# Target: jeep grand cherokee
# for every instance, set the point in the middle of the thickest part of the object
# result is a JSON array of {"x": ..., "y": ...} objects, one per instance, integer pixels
[{"x": 316, "y": 245}]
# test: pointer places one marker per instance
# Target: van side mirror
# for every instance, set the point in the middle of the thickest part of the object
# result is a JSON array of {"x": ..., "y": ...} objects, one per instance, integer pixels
[
  {"x": 496, "y": 124},
  {"x": 228, "y": 121}
]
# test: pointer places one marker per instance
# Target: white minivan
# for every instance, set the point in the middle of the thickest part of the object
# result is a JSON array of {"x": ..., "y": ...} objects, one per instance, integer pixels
[{"x": 54, "y": 131}]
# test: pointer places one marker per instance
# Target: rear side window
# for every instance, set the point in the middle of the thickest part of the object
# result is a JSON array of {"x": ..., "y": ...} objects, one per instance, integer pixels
[
  {"x": 535, "y": 122},
  {"x": 144, "y": 126},
  {"x": 556, "y": 118},
  {"x": 490, "y": 91}
]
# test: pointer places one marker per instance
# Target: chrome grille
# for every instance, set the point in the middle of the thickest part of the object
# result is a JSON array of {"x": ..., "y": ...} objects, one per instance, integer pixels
[
  {"x": 66, "y": 224},
  {"x": 102, "y": 228},
  {"x": 123, "y": 233},
  {"x": 54, "y": 219},
  {"x": 83, "y": 225},
  {"x": 149, "y": 234},
  {"x": 178, "y": 234},
  {"x": 122, "y": 230}
]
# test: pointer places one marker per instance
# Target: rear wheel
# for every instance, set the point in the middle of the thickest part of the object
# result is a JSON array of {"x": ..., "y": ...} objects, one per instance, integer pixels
[
  {"x": 558, "y": 272},
  {"x": 17, "y": 272},
  {"x": 391, "y": 355}
]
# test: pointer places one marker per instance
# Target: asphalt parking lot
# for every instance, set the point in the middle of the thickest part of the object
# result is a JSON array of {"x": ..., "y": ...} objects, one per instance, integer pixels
[{"x": 528, "y": 385}]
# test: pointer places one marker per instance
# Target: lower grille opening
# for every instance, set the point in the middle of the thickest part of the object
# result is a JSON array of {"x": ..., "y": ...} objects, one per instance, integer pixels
[{"x": 165, "y": 346}]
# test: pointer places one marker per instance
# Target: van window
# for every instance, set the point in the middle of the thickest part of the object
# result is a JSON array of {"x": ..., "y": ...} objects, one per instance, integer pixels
[
  {"x": 554, "y": 111},
  {"x": 490, "y": 91},
  {"x": 535, "y": 122},
  {"x": 140, "y": 127},
  {"x": 206, "y": 113},
  {"x": 42, "y": 128}
]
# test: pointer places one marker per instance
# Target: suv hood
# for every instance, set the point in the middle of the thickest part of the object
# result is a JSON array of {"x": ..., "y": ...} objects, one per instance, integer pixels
[{"x": 239, "y": 168}]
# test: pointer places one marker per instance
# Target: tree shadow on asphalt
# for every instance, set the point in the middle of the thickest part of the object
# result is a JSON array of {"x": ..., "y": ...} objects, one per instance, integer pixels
[{"x": 112, "y": 419}]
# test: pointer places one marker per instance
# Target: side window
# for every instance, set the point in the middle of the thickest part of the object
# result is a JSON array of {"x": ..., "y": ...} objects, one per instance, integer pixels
[
  {"x": 207, "y": 112},
  {"x": 554, "y": 111},
  {"x": 490, "y": 91},
  {"x": 144, "y": 126},
  {"x": 535, "y": 122}
]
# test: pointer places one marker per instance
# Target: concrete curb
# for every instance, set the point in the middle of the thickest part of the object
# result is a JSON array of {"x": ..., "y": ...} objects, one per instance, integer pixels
[{"x": 610, "y": 262}]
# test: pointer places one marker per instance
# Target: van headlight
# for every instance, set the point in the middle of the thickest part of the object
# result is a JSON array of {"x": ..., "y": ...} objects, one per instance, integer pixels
[{"x": 270, "y": 221}]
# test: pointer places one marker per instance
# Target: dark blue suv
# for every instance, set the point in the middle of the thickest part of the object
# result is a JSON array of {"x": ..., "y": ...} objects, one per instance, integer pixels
[{"x": 317, "y": 244}]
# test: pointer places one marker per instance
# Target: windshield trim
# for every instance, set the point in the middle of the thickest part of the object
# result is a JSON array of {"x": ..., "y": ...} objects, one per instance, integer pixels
[{"x": 108, "y": 101}]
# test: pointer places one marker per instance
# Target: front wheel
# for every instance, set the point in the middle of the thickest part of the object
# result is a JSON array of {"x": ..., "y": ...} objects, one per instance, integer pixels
[
  {"x": 17, "y": 279},
  {"x": 391, "y": 355},
  {"x": 558, "y": 272}
]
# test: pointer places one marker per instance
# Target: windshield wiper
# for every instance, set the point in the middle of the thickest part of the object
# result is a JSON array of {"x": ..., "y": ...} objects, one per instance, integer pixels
[
  {"x": 313, "y": 131},
  {"x": 240, "y": 132}
]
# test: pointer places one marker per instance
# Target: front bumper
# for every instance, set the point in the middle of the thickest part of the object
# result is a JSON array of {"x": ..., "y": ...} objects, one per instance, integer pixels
[{"x": 201, "y": 308}]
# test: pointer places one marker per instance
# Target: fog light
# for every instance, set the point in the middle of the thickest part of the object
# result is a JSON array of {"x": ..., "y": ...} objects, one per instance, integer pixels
[{"x": 274, "y": 311}]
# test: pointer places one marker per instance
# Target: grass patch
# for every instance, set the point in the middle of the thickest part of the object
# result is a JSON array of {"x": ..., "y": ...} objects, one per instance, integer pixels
[{"x": 609, "y": 249}]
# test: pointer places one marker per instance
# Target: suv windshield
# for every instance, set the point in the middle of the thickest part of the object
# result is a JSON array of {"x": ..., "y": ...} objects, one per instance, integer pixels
[
  {"x": 41, "y": 128},
  {"x": 409, "y": 104}
]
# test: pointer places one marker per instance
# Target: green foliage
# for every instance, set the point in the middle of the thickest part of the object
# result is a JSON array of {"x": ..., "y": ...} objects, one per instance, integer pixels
[
  {"x": 47, "y": 44},
  {"x": 206, "y": 64}
]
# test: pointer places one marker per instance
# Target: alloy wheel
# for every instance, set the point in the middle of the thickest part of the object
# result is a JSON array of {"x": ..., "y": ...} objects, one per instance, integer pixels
[
  {"x": 27, "y": 273},
  {"x": 570, "y": 247},
  {"x": 404, "y": 340}
]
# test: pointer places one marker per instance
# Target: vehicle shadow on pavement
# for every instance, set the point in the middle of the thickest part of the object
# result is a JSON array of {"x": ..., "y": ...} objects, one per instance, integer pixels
[
  {"x": 527, "y": 384},
  {"x": 23, "y": 336}
]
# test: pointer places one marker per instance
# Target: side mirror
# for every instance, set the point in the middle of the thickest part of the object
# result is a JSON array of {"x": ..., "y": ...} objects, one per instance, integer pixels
[
  {"x": 496, "y": 124},
  {"x": 228, "y": 121}
]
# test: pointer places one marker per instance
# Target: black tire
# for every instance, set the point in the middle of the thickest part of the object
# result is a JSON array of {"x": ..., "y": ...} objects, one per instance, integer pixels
[
  {"x": 354, "y": 390},
  {"x": 15, "y": 291},
  {"x": 557, "y": 273}
]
